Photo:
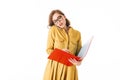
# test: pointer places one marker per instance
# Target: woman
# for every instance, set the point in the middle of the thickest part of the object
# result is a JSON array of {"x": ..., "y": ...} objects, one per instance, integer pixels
[{"x": 62, "y": 36}]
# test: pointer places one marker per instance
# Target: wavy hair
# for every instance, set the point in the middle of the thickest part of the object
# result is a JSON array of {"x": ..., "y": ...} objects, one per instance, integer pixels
[{"x": 51, "y": 23}]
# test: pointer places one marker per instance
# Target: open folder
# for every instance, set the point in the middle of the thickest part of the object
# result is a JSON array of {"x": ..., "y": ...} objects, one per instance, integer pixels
[{"x": 63, "y": 57}]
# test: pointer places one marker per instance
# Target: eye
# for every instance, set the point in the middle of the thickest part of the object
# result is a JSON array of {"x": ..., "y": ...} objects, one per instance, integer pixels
[{"x": 59, "y": 17}]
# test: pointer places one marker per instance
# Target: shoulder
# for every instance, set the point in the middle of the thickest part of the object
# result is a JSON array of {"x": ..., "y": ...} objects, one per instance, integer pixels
[{"x": 52, "y": 29}]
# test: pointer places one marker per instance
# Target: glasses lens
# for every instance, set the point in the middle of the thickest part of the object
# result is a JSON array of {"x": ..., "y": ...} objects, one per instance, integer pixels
[{"x": 58, "y": 19}]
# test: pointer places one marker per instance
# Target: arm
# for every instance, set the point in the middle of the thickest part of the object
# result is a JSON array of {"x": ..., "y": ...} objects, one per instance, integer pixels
[
  {"x": 79, "y": 45},
  {"x": 50, "y": 41}
]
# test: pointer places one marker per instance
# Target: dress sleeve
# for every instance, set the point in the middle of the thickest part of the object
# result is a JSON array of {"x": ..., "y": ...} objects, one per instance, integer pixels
[
  {"x": 50, "y": 41},
  {"x": 79, "y": 45}
]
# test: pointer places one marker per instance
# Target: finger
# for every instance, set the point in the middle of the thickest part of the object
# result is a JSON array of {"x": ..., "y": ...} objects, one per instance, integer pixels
[
  {"x": 71, "y": 60},
  {"x": 75, "y": 60}
]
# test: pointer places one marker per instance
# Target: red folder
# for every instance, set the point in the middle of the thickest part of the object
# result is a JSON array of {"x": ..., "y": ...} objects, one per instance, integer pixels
[{"x": 62, "y": 56}]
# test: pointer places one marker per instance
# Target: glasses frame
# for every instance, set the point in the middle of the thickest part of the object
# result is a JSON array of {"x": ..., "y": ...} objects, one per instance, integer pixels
[{"x": 59, "y": 18}]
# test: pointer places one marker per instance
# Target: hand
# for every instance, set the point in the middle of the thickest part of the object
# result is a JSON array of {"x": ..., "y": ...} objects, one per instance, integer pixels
[
  {"x": 66, "y": 50},
  {"x": 75, "y": 62}
]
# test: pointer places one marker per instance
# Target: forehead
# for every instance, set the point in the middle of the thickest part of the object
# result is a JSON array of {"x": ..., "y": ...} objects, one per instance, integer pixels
[{"x": 55, "y": 16}]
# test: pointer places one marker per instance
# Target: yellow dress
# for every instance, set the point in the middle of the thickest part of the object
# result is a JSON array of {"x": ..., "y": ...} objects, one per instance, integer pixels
[{"x": 58, "y": 38}]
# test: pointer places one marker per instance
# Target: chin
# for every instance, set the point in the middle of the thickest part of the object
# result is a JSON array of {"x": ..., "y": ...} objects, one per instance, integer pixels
[{"x": 61, "y": 26}]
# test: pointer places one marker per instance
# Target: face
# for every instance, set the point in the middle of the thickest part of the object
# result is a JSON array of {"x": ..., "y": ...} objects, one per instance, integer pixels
[{"x": 59, "y": 20}]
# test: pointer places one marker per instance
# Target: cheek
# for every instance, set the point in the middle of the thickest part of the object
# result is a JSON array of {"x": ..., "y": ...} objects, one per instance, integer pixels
[{"x": 64, "y": 22}]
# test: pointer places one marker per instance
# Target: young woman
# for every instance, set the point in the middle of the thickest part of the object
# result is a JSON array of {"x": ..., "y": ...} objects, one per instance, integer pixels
[{"x": 62, "y": 36}]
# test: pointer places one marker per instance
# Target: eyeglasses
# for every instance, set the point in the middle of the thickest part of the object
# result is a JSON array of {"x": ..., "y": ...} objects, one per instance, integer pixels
[{"x": 59, "y": 18}]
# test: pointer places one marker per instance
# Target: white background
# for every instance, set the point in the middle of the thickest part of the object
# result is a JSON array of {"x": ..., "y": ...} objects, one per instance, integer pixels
[{"x": 23, "y": 36}]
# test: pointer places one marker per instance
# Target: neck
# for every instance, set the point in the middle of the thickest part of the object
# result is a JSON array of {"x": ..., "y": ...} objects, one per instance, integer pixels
[{"x": 66, "y": 29}]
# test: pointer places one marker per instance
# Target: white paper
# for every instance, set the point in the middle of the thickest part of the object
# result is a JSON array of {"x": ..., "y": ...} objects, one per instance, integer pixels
[{"x": 85, "y": 47}]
